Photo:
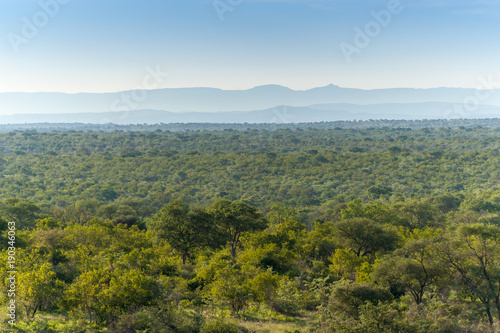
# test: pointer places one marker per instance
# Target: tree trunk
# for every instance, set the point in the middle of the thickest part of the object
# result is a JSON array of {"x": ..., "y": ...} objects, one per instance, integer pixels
[
  {"x": 497, "y": 305},
  {"x": 184, "y": 255},
  {"x": 488, "y": 312}
]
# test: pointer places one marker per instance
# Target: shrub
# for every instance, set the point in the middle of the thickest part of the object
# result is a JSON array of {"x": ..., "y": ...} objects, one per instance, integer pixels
[{"x": 219, "y": 326}]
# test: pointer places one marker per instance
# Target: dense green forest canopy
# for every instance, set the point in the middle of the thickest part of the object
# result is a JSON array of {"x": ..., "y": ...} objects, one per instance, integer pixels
[
  {"x": 309, "y": 170},
  {"x": 320, "y": 229}
]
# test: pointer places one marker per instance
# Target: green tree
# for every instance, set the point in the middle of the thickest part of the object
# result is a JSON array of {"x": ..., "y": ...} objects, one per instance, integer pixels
[
  {"x": 235, "y": 219},
  {"x": 184, "y": 228},
  {"x": 413, "y": 268},
  {"x": 21, "y": 211},
  {"x": 84, "y": 295},
  {"x": 347, "y": 297},
  {"x": 37, "y": 286},
  {"x": 363, "y": 236},
  {"x": 287, "y": 299},
  {"x": 472, "y": 256},
  {"x": 418, "y": 214},
  {"x": 345, "y": 263},
  {"x": 103, "y": 295},
  {"x": 231, "y": 285}
]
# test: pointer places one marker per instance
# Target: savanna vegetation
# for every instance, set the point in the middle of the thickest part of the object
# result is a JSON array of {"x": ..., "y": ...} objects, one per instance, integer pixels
[{"x": 253, "y": 230}]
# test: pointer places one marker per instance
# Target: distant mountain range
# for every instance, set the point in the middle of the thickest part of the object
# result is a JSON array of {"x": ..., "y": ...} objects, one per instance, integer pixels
[{"x": 264, "y": 104}]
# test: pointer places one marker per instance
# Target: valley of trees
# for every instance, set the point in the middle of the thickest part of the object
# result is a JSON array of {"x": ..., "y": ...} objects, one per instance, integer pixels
[{"x": 314, "y": 229}]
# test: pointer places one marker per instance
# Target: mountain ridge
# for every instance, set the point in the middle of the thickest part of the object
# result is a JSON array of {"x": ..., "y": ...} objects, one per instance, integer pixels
[
  {"x": 212, "y": 100},
  {"x": 280, "y": 114}
]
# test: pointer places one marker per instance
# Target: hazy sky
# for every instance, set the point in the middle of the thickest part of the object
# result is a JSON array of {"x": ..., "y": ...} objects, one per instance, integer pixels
[{"x": 112, "y": 45}]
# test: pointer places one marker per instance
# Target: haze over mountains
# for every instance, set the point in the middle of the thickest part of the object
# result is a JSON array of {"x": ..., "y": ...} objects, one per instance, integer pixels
[{"x": 263, "y": 104}]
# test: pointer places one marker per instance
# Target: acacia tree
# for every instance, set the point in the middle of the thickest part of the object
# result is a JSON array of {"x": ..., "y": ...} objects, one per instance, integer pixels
[
  {"x": 414, "y": 268},
  {"x": 418, "y": 214},
  {"x": 235, "y": 219},
  {"x": 363, "y": 237},
  {"x": 184, "y": 228},
  {"x": 472, "y": 256},
  {"x": 37, "y": 287}
]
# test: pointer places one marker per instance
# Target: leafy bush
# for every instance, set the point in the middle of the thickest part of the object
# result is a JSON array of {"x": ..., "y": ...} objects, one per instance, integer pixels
[
  {"x": 220, "y": 326},
  {"x": 347, "y": 298},
  {"x": 161, "y": 319}
]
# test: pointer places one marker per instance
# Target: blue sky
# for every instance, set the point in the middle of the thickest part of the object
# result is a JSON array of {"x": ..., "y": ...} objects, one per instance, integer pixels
[{"x": 107, "y": 45}]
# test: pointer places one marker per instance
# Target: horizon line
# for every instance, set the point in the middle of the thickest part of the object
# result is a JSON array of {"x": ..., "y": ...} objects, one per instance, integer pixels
[{"x": 247, "y": 89}]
